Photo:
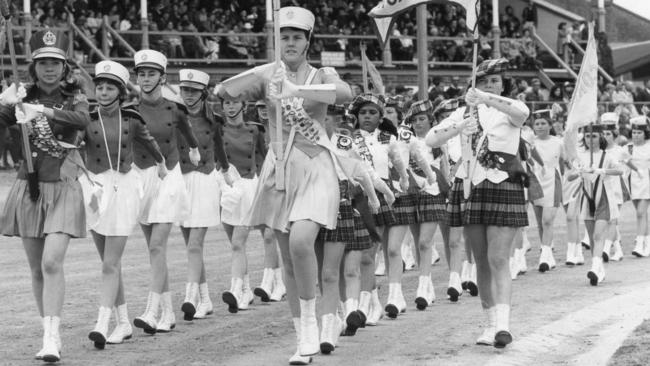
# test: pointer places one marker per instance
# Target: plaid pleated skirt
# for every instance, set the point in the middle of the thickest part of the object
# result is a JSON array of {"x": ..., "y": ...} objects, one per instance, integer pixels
[
  {"x": 496, "y": 204},
  {"x": 455, "y": 204},
  {"x": 362, "y": 239},
  {"x": 385, "y": 216},
  {"x": 405, "y": 209},
  {"x": 431, "y": 208},
  {"x": 345, "y": 225}
]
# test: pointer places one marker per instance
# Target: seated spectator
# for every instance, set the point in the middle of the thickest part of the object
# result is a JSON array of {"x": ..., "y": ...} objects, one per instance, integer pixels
[{"x": 535, "y": 94}]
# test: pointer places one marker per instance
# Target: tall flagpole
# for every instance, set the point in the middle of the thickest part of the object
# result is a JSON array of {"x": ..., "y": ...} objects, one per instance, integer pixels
[
  {"x": 279, "y": 148},
  {"x": 423, "y": 77},
  {"x": 468, "y": 154}
]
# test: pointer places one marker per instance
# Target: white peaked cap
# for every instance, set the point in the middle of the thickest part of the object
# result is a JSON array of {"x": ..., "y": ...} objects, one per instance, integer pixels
[
  {"x": 609, "y": 118},
  {"x": 112, "y": 70},
  {"x": 150, "y": 58},
  {"x": 297, "y": 17},
  {"x": 193, "y": 78}
]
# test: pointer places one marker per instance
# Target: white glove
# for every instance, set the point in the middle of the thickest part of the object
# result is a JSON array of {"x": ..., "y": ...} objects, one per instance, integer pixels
[
  {"x": 470, "y": 126},
  {"x": 474, "y": 97},
  {"x": 404, "y": 183},
  {"x": 12, "y": 95},
  {"x": 162, "y": 170},
  {"x": 373, "y": 203},
  {"x": 231, "y": 175},
  {"x": 20, "y": 116},
  {"x": 32, "y": 111},
  {"x": 195, "y": 156},
  {"x": 390, "y": 198}
]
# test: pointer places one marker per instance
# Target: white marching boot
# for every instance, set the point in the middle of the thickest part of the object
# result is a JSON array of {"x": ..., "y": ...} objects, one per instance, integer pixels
[
  {"x": 51, "y": 351},
  {"x": 297, "y": 359},
  {"x": 487, "y": 337},
  {"x": 309, "y": 343},
  {"x": 376, "y": 311},
  {"x": 570, "y": 254},
  {"x": 264, "y": 290},
  {"x": 279, "y": 290},
  {"x": 578, "y": 256},
  {"x": 167, "y": 320},
  {"x": 99, "y": 334},
  {"x": 191, "y": 302},
  {"x": 247, "y": 296},
  {"x": 597, "y": 273},
  {"x": 205, "y": 304},
  {"x": 396, "y": 303},
  {"x": 618, "y": 251},
  {"x": 545, "y": 259},
  {"x": 502, "y": 337},
  {"x": 464, "y": 274},
  {"x": 123, "y": 329},
  {"x": 472, "y": 284},
  {"x": 607, "y": 249},
  {"x": 407, "y": 256},
  {"x": 233, "y": 297},
  {"x": 329, "y": 333},
  {"x": 455, "y": 287},
  {"x": 424, "y": 292},
  {"x": 147, "y": 321}
]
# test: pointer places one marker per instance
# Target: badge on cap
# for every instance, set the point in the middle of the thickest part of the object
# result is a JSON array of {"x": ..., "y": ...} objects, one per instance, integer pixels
[
  {"x": 290, "y": 15},
  {"x": 190, "y": 76},
  {"x": 143, "y": 57},
  {"x": 49, "y": 38},
  {"x": 107, "y": 68}
]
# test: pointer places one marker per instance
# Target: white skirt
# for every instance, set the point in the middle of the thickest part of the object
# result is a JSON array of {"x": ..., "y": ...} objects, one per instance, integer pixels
[
  {"x": 112, "y": 202},
  {"x": 640, "y": 185},
  {"x": 237, "y": 201},
  {"x": 166, "y": 200},
  {"x": 204, "y": 196}
]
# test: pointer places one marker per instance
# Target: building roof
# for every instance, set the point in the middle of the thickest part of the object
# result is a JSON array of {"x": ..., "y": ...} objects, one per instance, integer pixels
[{"x": 629, "y": 56}]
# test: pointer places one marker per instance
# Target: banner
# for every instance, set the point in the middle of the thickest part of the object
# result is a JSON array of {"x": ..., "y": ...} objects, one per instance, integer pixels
[
  {"x": 582, "y": 108},
  {"x": 372, "y": 72},
  {"x": 390, "y": 8}
]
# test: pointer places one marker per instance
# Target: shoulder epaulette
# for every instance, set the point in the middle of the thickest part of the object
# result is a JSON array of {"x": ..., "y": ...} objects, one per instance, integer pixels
[
  {"x": 128, "y": 112},
  {"x": 180, "y": 106}
]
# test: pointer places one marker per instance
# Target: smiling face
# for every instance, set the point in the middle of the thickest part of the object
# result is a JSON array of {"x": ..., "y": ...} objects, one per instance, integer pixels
[
  {"x": 369, "y": 117},
  {"x": 49, "y": 70},
  {"x": 490, "y": 84},
  {"x": 294, "y": 44}
]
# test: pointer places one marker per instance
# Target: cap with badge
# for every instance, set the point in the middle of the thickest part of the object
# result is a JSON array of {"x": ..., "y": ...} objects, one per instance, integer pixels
[
  {"x": 639, "y": 123},
  {"x": 194, "y": 79},
  {"x": 545, "y": 114},
  {"x": 49, "y": 44},
  {"x": 113, "y": 71},
  {"x": 296, "y": 17},
  {"x": 150, "y": 58},
  {"x": 609, "y": 120},
  {"x": 492, "y": 67},
  {"x": 260, "y": 104},
  {"x": 419, "y": 107}
]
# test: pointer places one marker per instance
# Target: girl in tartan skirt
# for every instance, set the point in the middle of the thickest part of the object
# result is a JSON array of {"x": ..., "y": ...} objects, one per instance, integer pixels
[
  {"x": 495, "y": 206},
  {"x": 203, "y": 188},
  {"x": 377, "y": 147},
  {"x": 639, "y": 180},
  {"x": 599, "y": 173},
  {"x": 462, "y": 273},
  {"x": 609, "y": 121}
]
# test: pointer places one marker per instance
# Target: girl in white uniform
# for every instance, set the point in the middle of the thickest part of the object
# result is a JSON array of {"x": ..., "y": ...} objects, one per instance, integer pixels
[
  {"x": 113, "y": 190},
  {"x": 165, "y": 200},
  {"x": 550, "y": 149},
  {"x": 203, "y": 188},
  {"x": 639, "y": 149},
  {"x": 599, "y": 172},
  {"x": 244, "y": 144}
]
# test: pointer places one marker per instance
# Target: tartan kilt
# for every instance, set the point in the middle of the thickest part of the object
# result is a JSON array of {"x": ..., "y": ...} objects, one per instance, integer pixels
[
  {"x": 455, "y": 204},
  {"x": 385, "y": 216},
  {"x": 344, "y": 231},
  {"x": 431, "y": 208},
  {"x": 405, "y": 209},
  {"x": 501, "y": 204},
  {"x": 361, "y": 235}
]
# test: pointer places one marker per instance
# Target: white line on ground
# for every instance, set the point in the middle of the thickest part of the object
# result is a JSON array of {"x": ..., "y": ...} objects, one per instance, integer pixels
[{"x": 609, "y": 321}]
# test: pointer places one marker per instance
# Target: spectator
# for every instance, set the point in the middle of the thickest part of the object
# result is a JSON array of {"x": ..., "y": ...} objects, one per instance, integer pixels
[
  {"x": 534, "y": 94},
  {"x": 529, "y": 14},
  {"x": 173, "y": 42}
]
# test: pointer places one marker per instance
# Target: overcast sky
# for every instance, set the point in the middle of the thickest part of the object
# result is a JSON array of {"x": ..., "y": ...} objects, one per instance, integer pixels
[{"x": 641, "y": 7}]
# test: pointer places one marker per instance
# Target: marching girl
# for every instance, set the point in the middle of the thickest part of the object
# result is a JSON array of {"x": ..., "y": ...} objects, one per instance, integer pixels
[
  {"x": 310, "y": 197},
  {"x": 165, "y": 201},
  {"x": 45, "y": 209},
  {"x": 334, "y": 248},
  {"x": 243, "y": 142},
  {"x": 430, "y": 196},
  {"x": 112, "y": 190},
  {"x": 621, "y": 192},
  {"x": 496, "y": 205},
  {"x": 550, "y": 149},
  {"x": 377, "y": 146},
  {"x": 272, "y": 287},
  {"x": 202, "y": 182},
  {"x": 598, "y": 171},
  {"x": 639, "y": 149}
]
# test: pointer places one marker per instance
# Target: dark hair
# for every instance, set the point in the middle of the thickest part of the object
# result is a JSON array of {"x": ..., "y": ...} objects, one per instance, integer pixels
[
  {"x": 602, "y": 143},
  {"x": 31, "y": 69},
  {"x": 123, "y": 92},
  {"x": 646, "y": 131},
  {"x": 308, "y": 34}
]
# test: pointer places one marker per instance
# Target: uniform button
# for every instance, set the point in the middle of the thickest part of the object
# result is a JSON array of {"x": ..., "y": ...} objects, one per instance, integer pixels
[
  {"x": 169, "y": 124},
  {"x": 34, "y": 154},
  {"x": 205, "y": 147},
  {"x": 184, "y": 161},
  {"x": 121, "y": 160},
  {"x": 123, "y": 146},
  {"x": 99, "y": 160},
  {"x": 144, "y": 156},
  {"x": 207, "y": 132},
  {"x": 126, "y": 132},
  {"x": 251, "y": 131},
  {"x": 59, "y": 136},
  {"x": 167, "y": 141},
  {"x": 96, "y": 132},
  {"x": 98, "y": 146},
  {"x": 249, "y": 156},
  {"x": 182, "y": 147}
]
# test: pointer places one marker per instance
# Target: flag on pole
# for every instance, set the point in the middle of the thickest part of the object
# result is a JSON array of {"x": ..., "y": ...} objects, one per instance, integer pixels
[
  {"x": 372, "y": 72},
  {"x": 582, "y": 108},
  {"x": 472, "y": 8},
  {"x": 382, "y": 29},
  {"x": 390, "y": 8}
]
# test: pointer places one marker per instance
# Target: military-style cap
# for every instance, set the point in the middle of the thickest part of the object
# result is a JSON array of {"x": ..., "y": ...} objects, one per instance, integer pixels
[
  {"x": 639, "y": 123},
  {"x": 193, "y": 78},
  {"x": 296, "y": 17},
  {"x": 49, "y": 44},
  {"x": 260, "y": 104},
  {"x": 150, "y": 58},
  {"x": 609, "y": 120},
  {"x": 113, "y": 71},
  {"x": 542, "y": 114}
]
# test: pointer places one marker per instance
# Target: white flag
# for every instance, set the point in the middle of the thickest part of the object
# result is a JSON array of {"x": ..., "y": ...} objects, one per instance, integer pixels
[
  {"x": 390, "y": 8},
  {"x": 582, "y": 108},
  {"x": 382, "y": 29}
]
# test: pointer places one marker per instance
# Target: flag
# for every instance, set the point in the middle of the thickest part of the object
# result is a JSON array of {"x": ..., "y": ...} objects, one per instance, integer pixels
[
  {"x": 372, "y": 72},
  {"x": 382, "y": 29},
  {"x": 472, "y": 9},
  {"x": 582, "y": 108},
  {"x": 390, "y": 8}
]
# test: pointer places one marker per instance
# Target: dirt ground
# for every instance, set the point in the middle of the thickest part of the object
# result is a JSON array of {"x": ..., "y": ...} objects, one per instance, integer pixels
[{"x": 444, "y": 334}]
